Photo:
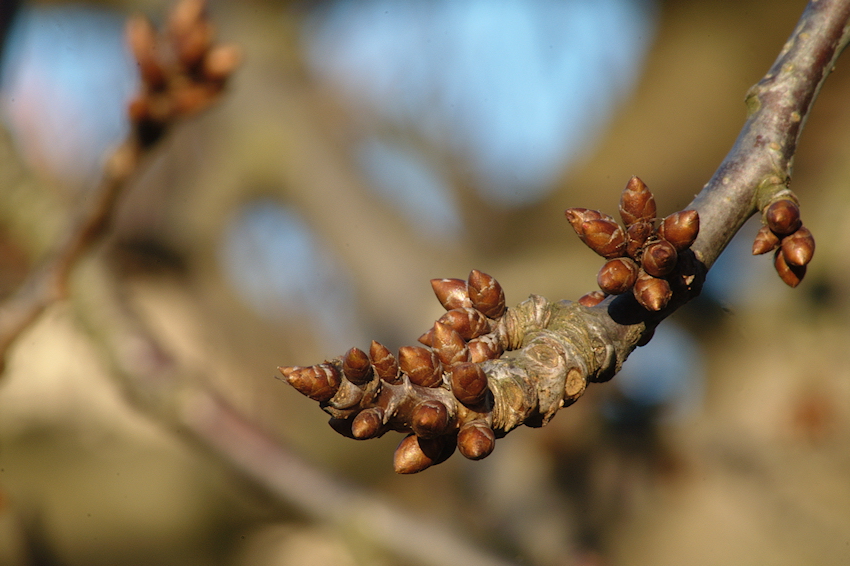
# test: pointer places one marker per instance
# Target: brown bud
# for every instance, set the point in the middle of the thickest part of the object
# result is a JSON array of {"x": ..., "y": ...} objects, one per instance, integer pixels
[
  {"x": 653, "y": 294},
  {"x": 578, "y": 216},
  {"x": 451, "y": 293},
  {"x": 221, "y": 61},
  {"x": 142, "y": 39},
  {"x": 469, "y": 383},
  {"x": 448, "y": 345},
  {"x": 476, "y": 440},
  {"x": 605, "y": 237},
  {"x": 792, "y": 275},
  {"x": 486, "y": 347},
  {"x": 421, "y": 365},
  {"x": 766, "y": 241},
  {"x": 469, "y": 323},
  {"x": 367, "y": 423},
  {"x": 486, "y": 294},
  {"x": 415, "y": 454},
  {"x": 592, "y": 299},
  {"x": 783, "y": 216},
  {"x": 384, "y": 362},
  {"x": 659, "y": 258},
  {"x": 799, "y": 247},
  {"x": 427, "y": 338},
  {"x": 319, "y": 382},
  {"x": 636, "y": 236},
  {"x": 617, "y": 276},
  {"x": 637, "y": 203},
  {"x": 356, "y": 366},
  {"x": 429, "y": 419},
  {"x": 680, "y": 229}
]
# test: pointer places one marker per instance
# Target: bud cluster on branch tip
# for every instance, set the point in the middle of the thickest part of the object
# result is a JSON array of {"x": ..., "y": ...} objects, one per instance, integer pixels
[
  {"x": 784, "y": 232},
  {"x": 182, "y": 71},
  {"x": 640, "y": 257},
  {"x": 438, "y": 392}
]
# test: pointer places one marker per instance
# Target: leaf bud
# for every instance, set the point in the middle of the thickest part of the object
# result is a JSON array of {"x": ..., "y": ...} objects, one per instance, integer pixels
[
  {"x": 421, "y": 365},
  {"x": 451, "y": 293},
  {"x": 783, "y": 216},
  {"x": 659, "y": 258},
  {"x": 469, "y": 383},
  {"x": 592, "y": 299},
  {"x": 605, "y": 237},
  {"x": 652, "y": 293},
  {"x": 356, "y": 366},
  {"x": 617, "y": 276},
  {"x": 384, "y": 362},
  {"x": 578, "y": 216},
  {"x": 476, "y": 440},
  {"x": 319, "y": 382},
  {"x": 221, "y": 61},
  {"x": 766, "y": 241},
  {"x": 486, "y": 347},
  {"x": 636, "y": 236},
  {"x": 469, "y": 323},
  {"x": 415, "y": 454},
  {"x": 429, "y": 419},
  {"x": 367, "y": 423},
  {"x": 448, "y": 345},
  {"x": 792, "y": 275},
  {"x": 486, "y": 294},
  {"x": 637, "y": 203},
  {"x": 680, "y": 229},
  {"x": 799, "y": 247}
]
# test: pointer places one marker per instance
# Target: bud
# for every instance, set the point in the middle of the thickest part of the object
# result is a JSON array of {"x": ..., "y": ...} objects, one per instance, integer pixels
[
  {"x": 636, "y": 236},
  {"x": 319, "y": 382},
  {"x": 427, "y": 338},
  {"x": 792, "y": 275},
  {"x": 476, "y": 440},
  {"x": 469, "y": 323},
  {"x": 605, "y": 237},
  {"x": 356, "y": 366},
  {"x": 142, "y": 39},
  {"x": 367, "y": 423},
  {"x": 653, "y": 294},
  {"x": 799, "y": 247},
  {"x": 451, "y": 293},
  {"x": 415, "y": 454},
  {"x": 486, "y": 347},
  {"x": 448, "y": 345},
  {"x": 783, "y": 216},
  {"x": 617, "y": 276},
  {"x": 469, "y": 383},
  {"x": 766, "y": 241},
  {"x": 637, "y": 203},
  {"x": 486, "y": 294},
  {"x": 592, "y": 299},
  {"x": 421, "y": 365},
  {"x": 384, "y": 362},
  {"x": 680, "y": 229},
  {"x": 659, "y": 258},
  {"x": 578, "y": 216},
  {"x": 429, "y": 419},
  {"x": 221, "y": 61}
]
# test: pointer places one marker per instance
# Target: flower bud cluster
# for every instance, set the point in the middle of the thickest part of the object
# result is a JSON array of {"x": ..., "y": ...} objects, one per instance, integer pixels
[
  {"x": 641, "y": 258},
  {"x": 783, "y": 231},
  {"x": 437, "y": 392},
  {"x": 182, "y": 71}
]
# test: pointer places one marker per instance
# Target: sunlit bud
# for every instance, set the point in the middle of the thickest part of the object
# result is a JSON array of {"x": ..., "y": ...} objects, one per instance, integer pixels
[
  {"x": 680, "y": 229},
  {"x": 469, "y": 383},
  {"x": 367, "y": 423},
  {"x": 578, "y": 216},
  {"x": 191, "y": 32},
  {"x": 486, "y": 347},
  {"x": 429, "y": 419},
  {"x": 221, "y": 61},
  {"x": 486, "y": 294},
  {"x": 637, "y": 203},
  {"x": 605, "y": 237},
  {"x": 469, "y": 323},
  {"x": 617, "y": 276},
  {"x": 766, "y": 241},
  {"x": 319, "y": 382},
  {"x": 783, "y": 216},
  {"x": 384, "y": 362},
  {"x": 142, "y": 39},
  {"x": 799, "y": 247},
  {"x": 653, "y": 294},
  {"x": 421, "y": 365},
  {"x": 427, "y": 338},
  {"x": 476, "y": 440},
  {"x": 792, "y": 275},
  {"x": 592, "y": 299},
  {"x": 448, "y": 345},
  {"x": 356, "y": 366},
  {"x": 451, "y": 293},
  {"x": 415, "y": 454},
  {"x": 659, "y": 258},
  {"x": 636, "y": 236}
]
